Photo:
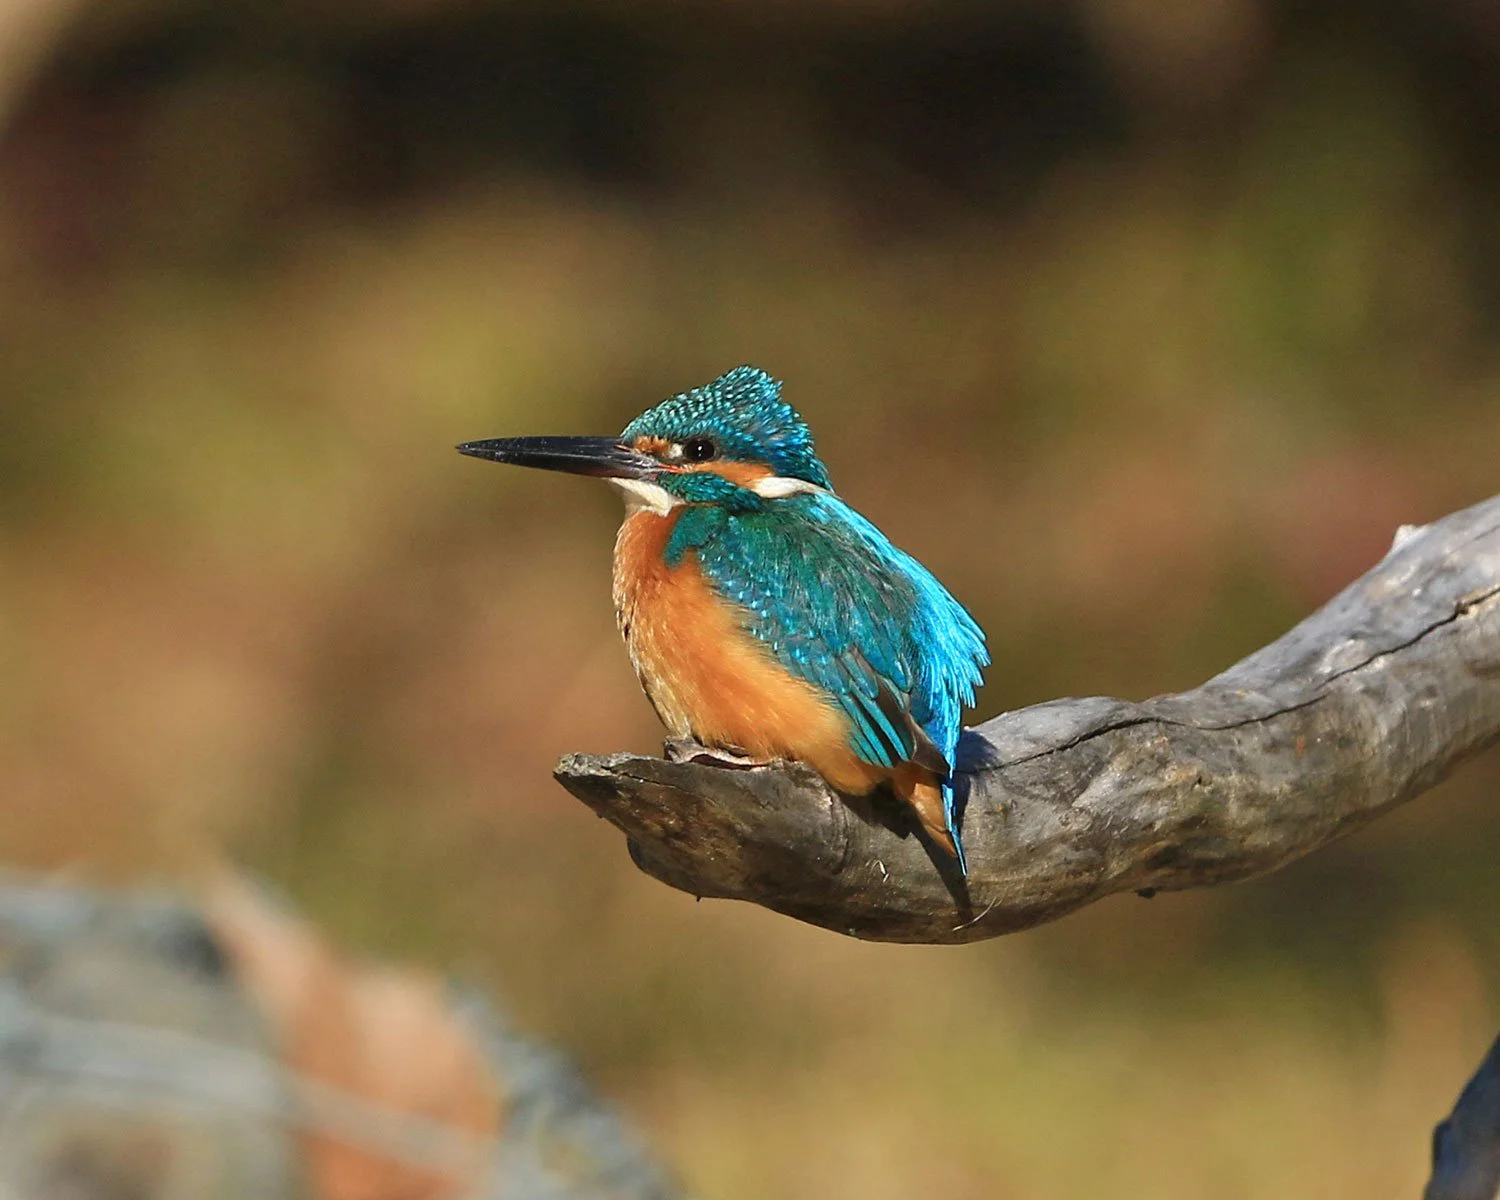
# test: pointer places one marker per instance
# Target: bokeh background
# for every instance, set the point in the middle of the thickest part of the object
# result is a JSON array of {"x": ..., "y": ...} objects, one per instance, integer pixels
[{"x": 1142, "y": 322}]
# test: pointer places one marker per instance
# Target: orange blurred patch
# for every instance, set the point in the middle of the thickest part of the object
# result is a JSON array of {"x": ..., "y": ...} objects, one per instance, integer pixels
[
  {"x": 385, "y": 1037},
  {"x": 1140, "y": 529},
  {"x": 1333, "y": 517}
]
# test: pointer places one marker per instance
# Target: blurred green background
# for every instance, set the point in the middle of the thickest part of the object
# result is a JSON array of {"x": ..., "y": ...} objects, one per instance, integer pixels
[{"x": 1142, "y": 322}]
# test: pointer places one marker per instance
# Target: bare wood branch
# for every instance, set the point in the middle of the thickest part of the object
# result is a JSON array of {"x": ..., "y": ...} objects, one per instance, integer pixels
[{"x": 1362, "y": 706}]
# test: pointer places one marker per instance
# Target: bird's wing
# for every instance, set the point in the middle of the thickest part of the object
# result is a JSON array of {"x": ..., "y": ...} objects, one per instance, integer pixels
[{"x": 843, "y": 609}]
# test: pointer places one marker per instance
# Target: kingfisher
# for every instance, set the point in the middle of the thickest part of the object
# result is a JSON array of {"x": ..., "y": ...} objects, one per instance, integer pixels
[{"x": 765, "y": 618}]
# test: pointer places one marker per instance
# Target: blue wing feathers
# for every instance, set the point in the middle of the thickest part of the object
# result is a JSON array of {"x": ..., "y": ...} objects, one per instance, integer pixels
[{"x": 845, "y": 610}]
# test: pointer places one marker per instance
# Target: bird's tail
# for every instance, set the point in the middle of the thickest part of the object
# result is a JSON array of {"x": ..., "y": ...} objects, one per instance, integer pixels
[{"x": 931, "y": 798}]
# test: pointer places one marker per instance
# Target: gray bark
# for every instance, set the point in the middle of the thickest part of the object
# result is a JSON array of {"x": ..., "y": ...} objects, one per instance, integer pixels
[{"x": 1365, "y": 704}]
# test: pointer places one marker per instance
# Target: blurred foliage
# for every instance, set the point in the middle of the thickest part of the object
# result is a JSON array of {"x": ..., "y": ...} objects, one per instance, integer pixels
[{"x": 1143, "y": 323}]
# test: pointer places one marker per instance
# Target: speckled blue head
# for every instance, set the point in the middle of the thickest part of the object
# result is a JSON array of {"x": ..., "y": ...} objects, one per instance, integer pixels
[{"x": 743, "y": 414}]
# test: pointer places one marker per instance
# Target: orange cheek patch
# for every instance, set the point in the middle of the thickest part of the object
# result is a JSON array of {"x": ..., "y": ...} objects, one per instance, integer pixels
[
  {"x": 738, "y": 473},
  {"x": 741, "y": 474}
]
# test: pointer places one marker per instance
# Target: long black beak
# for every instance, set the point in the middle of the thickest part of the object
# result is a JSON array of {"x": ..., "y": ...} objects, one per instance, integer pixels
[{"x": 579, "y": 455}]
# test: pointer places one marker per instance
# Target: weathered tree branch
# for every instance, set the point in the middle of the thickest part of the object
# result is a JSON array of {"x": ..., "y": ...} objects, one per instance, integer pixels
[{"x": 1367, "y": 703}]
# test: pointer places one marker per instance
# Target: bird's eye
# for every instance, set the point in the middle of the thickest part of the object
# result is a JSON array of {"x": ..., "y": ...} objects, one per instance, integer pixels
[{"x": 699, "y": 449}]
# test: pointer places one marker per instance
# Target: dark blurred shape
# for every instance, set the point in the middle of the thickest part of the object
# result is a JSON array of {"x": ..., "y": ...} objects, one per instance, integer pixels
[
  {"x": 912, "y": 112},
  {"x": 911, "y": 115},
  {"x": 136, "y": 1062},
  {"x": 1466, "y": 1147}
]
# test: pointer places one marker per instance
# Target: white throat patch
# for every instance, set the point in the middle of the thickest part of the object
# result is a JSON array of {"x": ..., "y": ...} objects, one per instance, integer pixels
[
  {"x": 643, "y": 496},
  {"x": 775, "y": 487}
]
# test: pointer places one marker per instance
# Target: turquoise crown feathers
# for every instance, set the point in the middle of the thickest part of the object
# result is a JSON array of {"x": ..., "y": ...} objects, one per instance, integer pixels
[{"x": 744, "y": 411}]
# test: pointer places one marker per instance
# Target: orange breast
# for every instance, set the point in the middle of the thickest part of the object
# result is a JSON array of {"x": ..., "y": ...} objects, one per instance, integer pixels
[{"x": 707, "y": 677}]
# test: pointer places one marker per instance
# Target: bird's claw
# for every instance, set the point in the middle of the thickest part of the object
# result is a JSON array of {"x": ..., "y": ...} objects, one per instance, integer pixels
[{"x": 686, "y": 750}]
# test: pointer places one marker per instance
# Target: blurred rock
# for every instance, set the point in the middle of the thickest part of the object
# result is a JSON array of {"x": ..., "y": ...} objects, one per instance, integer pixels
[{"x": 135, "y": 1062}]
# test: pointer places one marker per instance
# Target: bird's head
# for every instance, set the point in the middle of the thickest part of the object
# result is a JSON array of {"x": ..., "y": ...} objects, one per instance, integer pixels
[{"x": 720, "y": 443}]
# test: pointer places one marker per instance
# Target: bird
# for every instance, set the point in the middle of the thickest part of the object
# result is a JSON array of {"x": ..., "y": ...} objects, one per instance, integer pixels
[{"x": 765, "y": 618}]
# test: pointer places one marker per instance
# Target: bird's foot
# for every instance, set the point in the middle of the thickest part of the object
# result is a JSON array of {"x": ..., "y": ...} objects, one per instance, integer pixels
[{"x": 686, "y": 750}]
